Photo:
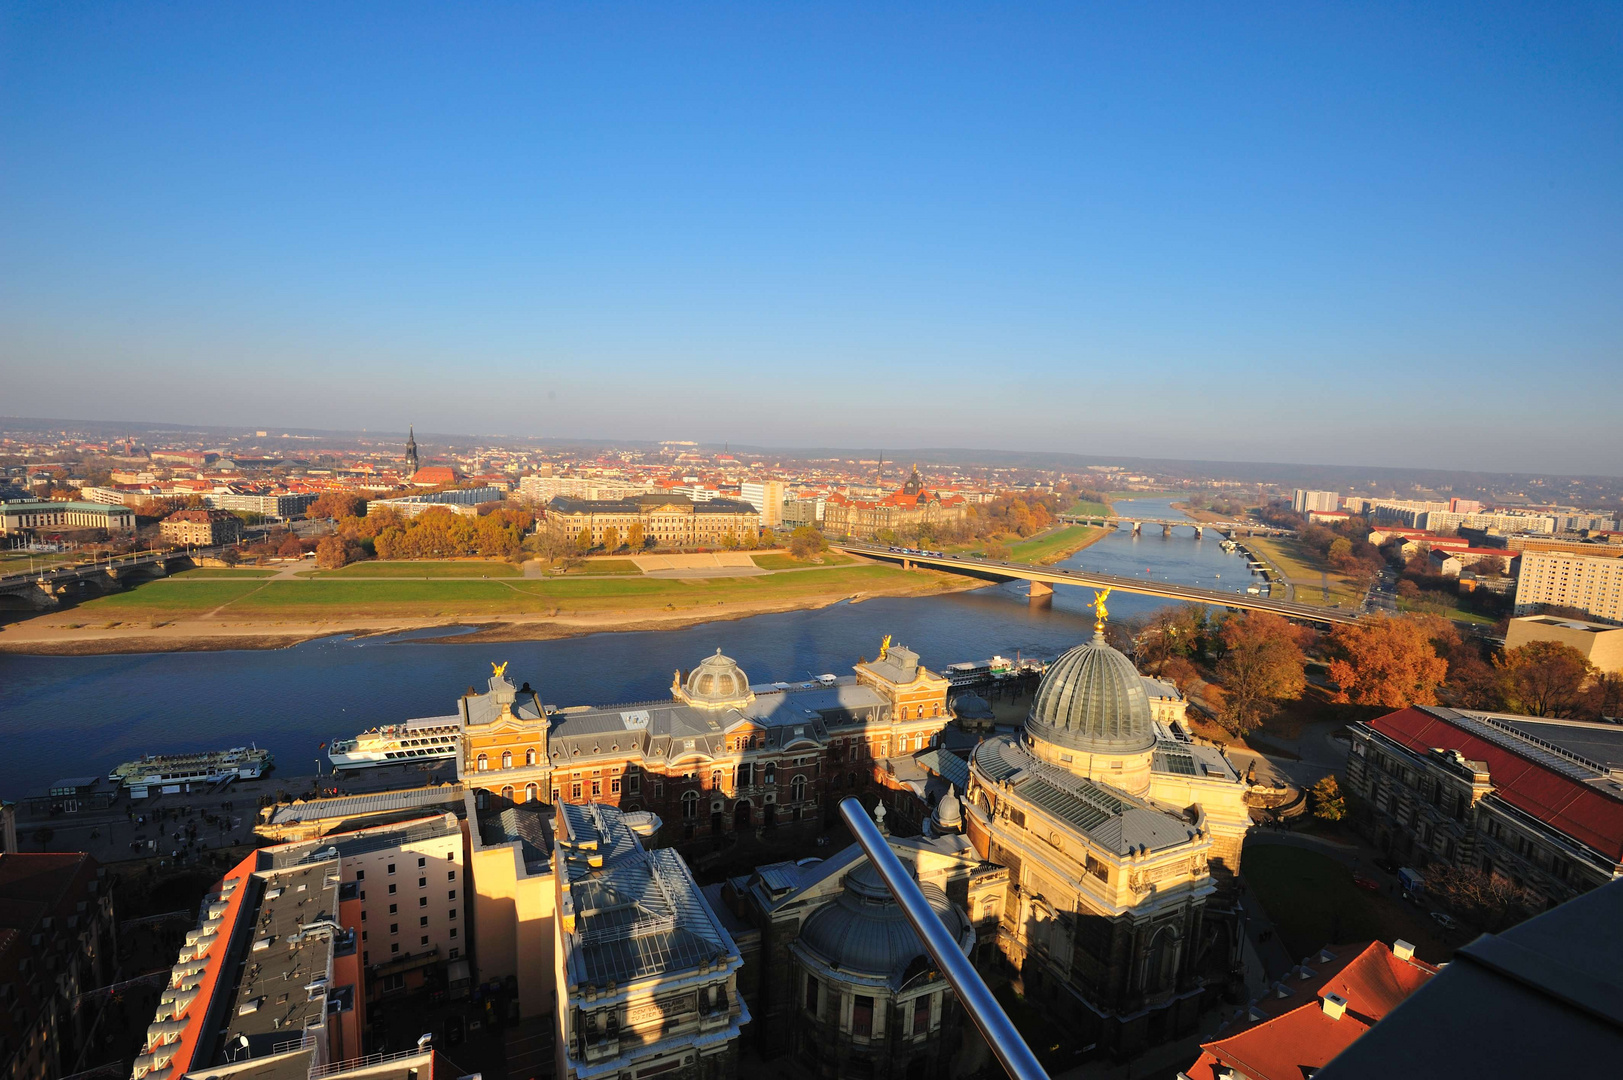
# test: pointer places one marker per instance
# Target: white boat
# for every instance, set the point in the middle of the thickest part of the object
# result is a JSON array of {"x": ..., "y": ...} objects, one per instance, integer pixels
[
  {"x": 175, "y": 773},
  {"x": 427, "y": 739},
  {"x": 968, "y": 673}
]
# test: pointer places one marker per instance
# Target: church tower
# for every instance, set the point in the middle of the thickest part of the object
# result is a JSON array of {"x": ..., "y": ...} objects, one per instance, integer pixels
[
  {"x": 914, "y": 484},
  {"x": 411, "y": 452}
]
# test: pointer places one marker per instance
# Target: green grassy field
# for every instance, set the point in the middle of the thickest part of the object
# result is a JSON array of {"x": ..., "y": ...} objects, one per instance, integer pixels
[
  {"x": 214, "y": 573},
  {"x": 1313, "y": 902},
  {"x": 406, "y": 568},
  {"x": 1303, "y": 566},
  {"x": 337, "y": 595},
  {"x": 1446, "y": 605},
  {"x": 1054, "y": 545},
  {"x": 171, "y": 597},
  {"x": 607, "y": 566},
  {"x": 1088, "y": 506},
  {"x": 779, "y": 561}
]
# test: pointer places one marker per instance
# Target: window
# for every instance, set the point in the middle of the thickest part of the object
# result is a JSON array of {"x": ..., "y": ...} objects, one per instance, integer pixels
[
  {"x": 425, "y": 939},
  {"x": 715, "y": 779},
  {"x": 363, "y": 914},
  {"x": 797, "y": 789},
  {"x": 482, "y": 763},
  {"x": 507, "y": 759},
  {"x": 745, "y": 773},
  {"x": 597, "y": 788},
  {"x": 507, "y": 792},
  {"x": 450, "y": 875},
  {"x": 634, "y": 783},
  {"x": 391, "y": 888},
  {"x": 393, "y": 908},
  {"x": 453, "y": 913},
  {"x": 363, "y": 894},
  {"x": 614, "y": 786},
  {"x": 394, "y": 928},
  {"x": 574, "y": 791},
  {"x": 531, "y": 793},
  {"x": 422, "y": 901},
  {"x": 451, "y": 895},
  {"x": 453, "y": 934},
  {"x": 921, "y": 1015},
  {"x": 454, "y": 952},
  {"x": 770, "y": 775},
  {"x": 423, "y": 921},
  {"x": 862, "y": 1016},
  {"x": 529, "y": 756},
  {"x": 421, "y": 862},
  {"x": 391, "y": 868},
  {"x": 422, "y": 882},
  {"x": 394, "y": 947},
  {"x": 360, "y": 875},
  {"x": 690, "y": 805}
]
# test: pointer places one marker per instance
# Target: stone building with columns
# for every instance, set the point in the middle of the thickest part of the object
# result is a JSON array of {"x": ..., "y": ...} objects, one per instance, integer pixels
[{"x": 1115, "y": 832}]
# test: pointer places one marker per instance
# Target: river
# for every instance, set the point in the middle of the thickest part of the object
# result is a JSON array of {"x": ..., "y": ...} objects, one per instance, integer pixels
[{"x": 63, "y": 716}]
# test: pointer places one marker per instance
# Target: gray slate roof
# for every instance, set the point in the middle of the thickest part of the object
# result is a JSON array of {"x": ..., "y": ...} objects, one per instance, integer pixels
[{"x": 1114, "y": 820}]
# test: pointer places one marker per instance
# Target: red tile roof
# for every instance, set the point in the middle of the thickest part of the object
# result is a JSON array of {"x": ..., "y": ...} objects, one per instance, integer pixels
[
  {"x": 1579, "y": 810},
  {"x": 1296, "y": 1034}
]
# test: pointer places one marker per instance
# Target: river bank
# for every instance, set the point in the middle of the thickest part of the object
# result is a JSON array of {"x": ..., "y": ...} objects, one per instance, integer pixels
[{"x": 206, "y": 615}]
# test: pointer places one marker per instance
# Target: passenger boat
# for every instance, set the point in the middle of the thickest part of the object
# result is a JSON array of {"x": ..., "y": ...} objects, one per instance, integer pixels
[
  {"x": 427, "y": 739},
  {"x": 175, "y": 773},
  {"x": 970, "y": 672}
]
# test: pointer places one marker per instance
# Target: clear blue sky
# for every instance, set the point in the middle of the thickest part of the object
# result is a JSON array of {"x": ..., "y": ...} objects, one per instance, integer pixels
[{"x": 1298, "y": 232}]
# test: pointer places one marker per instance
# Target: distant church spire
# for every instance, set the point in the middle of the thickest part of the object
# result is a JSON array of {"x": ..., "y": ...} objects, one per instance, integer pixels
[{"x": 411, "y": 451}]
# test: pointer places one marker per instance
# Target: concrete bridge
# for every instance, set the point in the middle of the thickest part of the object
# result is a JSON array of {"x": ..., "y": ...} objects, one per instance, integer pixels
[
  {"x": 1044, "y": 578},
  {"x": 1230, "y": 529},
  {"x": 43, "y": 590}
]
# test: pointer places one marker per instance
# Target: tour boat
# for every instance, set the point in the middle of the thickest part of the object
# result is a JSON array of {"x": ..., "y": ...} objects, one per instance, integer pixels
[
  {"x": 427, "y": 739},
  {"x": 174, "y": 773}
]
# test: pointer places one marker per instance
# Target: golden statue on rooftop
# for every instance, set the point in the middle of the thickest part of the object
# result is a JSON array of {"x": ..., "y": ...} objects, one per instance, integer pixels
[
  {"x": 499, "y": 671},
  {"x": 1101, "y": 613},
  {"x": 884, "y": 647}
]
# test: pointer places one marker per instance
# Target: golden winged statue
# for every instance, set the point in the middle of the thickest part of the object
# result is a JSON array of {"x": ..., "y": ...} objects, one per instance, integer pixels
[
  {"x": 499, "y": 670},
  {"x": 1101, "y": 613},
  {"x": 884, "y": 647}
]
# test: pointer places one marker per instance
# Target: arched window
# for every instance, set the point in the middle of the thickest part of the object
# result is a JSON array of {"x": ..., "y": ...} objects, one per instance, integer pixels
[
  {"x": 507, "y": 759},
  {"x": 507, "y": 793},
  {"x": 531, "y": 793},
  {"x": 690, "y": 805},
  {"x": 529, "y": 756},
  {"x": 797, "y": 789},
  {"x": 1162, "y": 970},
  {"x": 484, "y": 763},
  {"x": 771, "y": 776}
]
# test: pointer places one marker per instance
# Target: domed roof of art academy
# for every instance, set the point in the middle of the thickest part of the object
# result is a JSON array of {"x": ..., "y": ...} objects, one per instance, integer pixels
[{"x": 1092, "y": 699}]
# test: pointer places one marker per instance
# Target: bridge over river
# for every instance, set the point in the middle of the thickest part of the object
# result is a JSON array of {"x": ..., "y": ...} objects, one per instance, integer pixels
[
  {"x": 1230, "y": 529},
  {"x": 1044, "y": 578},
  {"x": 43, "y": 589}
]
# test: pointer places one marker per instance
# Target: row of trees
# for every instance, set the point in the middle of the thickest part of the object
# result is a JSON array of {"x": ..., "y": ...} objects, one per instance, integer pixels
[{"x": 437, "y": 533}]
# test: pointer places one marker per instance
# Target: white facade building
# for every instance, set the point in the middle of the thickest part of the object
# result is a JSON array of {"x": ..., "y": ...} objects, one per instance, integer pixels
[
  {"x": 1305, "y": 501},
  {"x": 1590, "y": 583}
]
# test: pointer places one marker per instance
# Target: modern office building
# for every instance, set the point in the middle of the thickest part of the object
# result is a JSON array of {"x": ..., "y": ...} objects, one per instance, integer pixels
[
  {"x": 767, "y": 498},
  {"x": 1305, "y": 502},
  {"x": 1589, "y": 583}
]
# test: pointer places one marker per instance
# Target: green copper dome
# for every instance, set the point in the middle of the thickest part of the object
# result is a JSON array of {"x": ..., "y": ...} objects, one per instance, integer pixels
[{"x": 1092, "y": 699}]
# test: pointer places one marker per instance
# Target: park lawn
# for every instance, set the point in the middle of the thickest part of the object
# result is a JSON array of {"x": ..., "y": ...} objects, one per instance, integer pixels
[
  {"x": 168, "y": 596},
  {"x": 1055, "y": 545},
  {"x": 613, "y": 594},
  {"x": 1313, "y": 902},
  {"x": 1303, "y": 566},
  {"x": 410, "y": 568},
  {"x": 384, "y": 597},
  {"x": 777, "y": 560},
  {"x": 608, "y": 566},
  {"x": 212, "y": 573},
  {"x": 1088, "y": 506},
  {"x": 1446, "y": 605}
]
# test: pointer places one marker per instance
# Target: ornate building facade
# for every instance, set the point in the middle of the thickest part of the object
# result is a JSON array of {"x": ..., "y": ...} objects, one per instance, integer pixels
[
  {"x": 1111, "y": 828},
  {"x": 717, "y": 756},
  {"x": 906, "y": 508},
  {"x": 665, "y": 519}
]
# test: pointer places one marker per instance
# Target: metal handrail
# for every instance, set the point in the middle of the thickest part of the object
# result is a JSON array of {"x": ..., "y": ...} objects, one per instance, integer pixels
[{"x": 1011, "y": 1050}]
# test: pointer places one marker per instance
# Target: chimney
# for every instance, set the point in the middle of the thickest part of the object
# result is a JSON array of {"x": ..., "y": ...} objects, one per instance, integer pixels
[
  {"x": 1334, "y": 1006},
  {"x": 1402, "y": 950}
]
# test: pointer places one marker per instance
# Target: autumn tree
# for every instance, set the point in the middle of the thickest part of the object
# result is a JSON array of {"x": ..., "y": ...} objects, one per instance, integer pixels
[
  {"x": 1385, "y": 661},
  {"x": 332, "y": 552},
  {"x": 611, "y": 539},
  {"x": 1328, "y": 802},
  {"x": 290, "y": 547},
  {"x": 1604, "y": 698},
  {"x": 1493, "y": 901},
  {"x": 1473, "y": 682},
  {"x": 752, "y": 539},
  {"x": 1180, "y": 673},
  {"x": 583, "y": 540},
  {"x": 806, "y": 541},
  {"x": 229, "y": 556},
  {"x": 1544, "y": 678},
  {"x": 636, "y": 538},
  {"x": 1262, "y": 665},
  {"x": 998, "y": 551},
  {"x": 337, "y": 505}
]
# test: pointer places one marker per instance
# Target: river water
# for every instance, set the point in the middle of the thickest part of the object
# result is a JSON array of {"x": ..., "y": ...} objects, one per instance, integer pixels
[{"x": 79, "y": 716}]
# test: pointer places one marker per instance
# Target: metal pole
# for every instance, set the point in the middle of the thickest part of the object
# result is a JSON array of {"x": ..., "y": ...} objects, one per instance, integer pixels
[{"x": 1011, "y": 1050}]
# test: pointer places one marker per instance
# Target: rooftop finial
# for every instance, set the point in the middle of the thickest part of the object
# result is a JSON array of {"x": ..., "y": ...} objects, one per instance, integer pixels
[
  {"x": 499, "y": 670},
  {"x": 1100, "y": 612}
]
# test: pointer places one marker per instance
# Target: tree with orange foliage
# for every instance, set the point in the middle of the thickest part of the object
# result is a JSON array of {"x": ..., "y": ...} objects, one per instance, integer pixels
[
  {"x": 1262, "y": 665},
  {"x": 1386, "y": 661},
  {"x": 1544, "y": 678},
  {"x": 336, "y": 505}
]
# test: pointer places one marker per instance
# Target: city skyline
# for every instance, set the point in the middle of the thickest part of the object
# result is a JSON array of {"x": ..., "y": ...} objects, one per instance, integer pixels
[{"x": 1338, "y": 237}]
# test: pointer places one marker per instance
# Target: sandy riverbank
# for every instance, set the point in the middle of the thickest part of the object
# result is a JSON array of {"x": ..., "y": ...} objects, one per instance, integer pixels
[{"x": 64, "y": 634}]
